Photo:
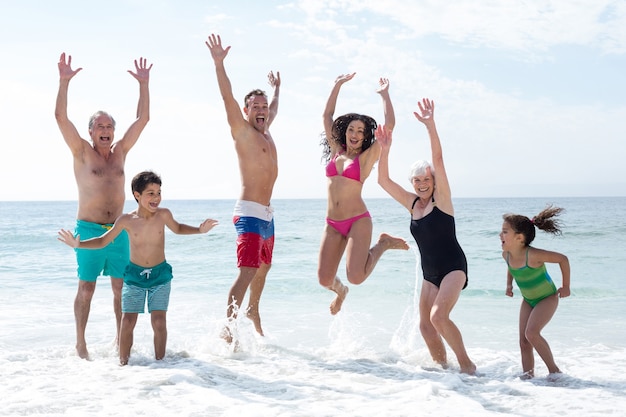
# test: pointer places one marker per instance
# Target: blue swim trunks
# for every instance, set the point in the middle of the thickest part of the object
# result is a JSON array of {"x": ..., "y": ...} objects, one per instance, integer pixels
[
  {"x": 154, "y": 283},
  {"x": 110, "y": 260}
]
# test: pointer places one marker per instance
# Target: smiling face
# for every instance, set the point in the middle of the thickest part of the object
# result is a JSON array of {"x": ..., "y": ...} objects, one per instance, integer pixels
[
  {"x": 257, "y": 112},
  {"x": 509, "y": 239},
  {"x": 102, "y": 131},
  {"x": 424, "y": 185},
  {"x": 150, "y": 198},
  {"x": 355, "y": 133}
]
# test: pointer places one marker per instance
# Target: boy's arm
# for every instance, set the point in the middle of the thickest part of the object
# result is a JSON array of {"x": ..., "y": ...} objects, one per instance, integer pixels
[
  {"x": 67, "y": 237},
  {"x": 185, "y": 229}
]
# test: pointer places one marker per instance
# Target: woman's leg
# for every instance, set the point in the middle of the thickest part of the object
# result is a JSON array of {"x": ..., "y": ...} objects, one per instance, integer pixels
[{"x": 448, "y": 295}]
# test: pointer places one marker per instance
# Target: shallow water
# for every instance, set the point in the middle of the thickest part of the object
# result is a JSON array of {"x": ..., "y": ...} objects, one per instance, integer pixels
[{"x": 369, "y": 360}]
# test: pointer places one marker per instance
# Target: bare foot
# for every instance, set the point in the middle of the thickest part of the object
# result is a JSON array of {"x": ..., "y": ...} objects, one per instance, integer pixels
[
  {"x": 227, "y": 335},
  {"x": 527, "y": 375},
  {"x": 81, "y": 350},
  {"x": 253, "y": 314},
  {"x": 554, "y": 376},
  {"x": 342, "y": 292},
  {"x": 389, "y": 242},
  {"x": 469, "y": 369}
]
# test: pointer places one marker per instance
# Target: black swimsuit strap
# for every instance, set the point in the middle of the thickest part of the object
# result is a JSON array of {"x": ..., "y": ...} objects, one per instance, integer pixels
[{"x": 417, "y": 198}]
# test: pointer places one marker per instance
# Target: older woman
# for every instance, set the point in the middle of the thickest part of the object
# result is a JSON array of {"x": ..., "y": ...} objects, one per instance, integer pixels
[{"x": 432, "y": 225}]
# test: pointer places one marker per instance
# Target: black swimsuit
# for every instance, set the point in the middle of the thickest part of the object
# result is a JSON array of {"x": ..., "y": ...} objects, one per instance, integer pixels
[{"x": 435, "y": 235}]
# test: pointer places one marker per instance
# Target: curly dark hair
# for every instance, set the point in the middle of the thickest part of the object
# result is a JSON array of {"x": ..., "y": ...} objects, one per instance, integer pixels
[
  {"x": 340, "y": 125},
  {"x": 546, "y": 220}
]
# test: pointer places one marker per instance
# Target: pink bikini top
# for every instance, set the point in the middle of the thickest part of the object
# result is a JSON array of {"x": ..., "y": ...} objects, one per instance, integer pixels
[{"x": 352, "y": 171}]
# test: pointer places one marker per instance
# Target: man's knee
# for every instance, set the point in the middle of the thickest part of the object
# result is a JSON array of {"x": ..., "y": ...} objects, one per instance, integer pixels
[
  {"x": 86, "y": 289},
  {"x": 116, "y": 286}
]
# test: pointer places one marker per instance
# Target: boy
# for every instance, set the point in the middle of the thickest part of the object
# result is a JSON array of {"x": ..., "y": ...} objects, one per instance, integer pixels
[{"x": 148, "y": 273}]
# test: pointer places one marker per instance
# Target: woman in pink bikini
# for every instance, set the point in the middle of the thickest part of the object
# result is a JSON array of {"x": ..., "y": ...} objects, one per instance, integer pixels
[{"x": 350, "y": 150}]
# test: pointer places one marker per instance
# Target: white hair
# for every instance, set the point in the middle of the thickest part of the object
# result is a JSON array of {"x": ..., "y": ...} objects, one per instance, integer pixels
[{"x": 419, "y": 168}]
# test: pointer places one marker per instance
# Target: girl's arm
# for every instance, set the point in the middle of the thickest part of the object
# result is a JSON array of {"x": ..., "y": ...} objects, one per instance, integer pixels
[
  {"x": 509, "y": 284},
  {"x": 509, "y": 279},
  {"x": 538, "y": 256}
]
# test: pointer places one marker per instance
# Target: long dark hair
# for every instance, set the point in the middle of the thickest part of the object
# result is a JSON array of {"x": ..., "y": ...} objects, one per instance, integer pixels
[
  {"x": 338, "y": 133},
  {"x": 546, "y": 220}
]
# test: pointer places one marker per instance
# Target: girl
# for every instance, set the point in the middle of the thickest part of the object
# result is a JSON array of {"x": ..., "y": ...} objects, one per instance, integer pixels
[{"x": 526, "y": 264}]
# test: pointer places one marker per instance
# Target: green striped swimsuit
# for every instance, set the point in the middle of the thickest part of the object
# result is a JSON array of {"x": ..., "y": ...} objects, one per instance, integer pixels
[{"x": 534, "y": 283}]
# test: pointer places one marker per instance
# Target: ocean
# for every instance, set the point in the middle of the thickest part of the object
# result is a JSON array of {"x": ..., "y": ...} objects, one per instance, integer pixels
[{"x": 369, "y": 360}]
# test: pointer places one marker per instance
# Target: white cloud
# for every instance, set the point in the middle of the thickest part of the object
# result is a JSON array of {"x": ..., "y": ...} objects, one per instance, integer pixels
[{"x": 516, "y": 113}]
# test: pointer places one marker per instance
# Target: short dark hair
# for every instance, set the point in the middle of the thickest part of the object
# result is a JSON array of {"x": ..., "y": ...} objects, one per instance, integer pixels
[{"x": 141, "y": 181}]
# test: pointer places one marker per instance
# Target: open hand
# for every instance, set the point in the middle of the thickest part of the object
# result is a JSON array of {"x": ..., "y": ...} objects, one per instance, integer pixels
[
  {"x": 68, "y": 238},
  {"x": 427, "y": 111},
  {"x": 142, "y": 73},
  {"x": 207, "y": 225},
  {"x": 215, "y": 46},
  {"x": 65, "y": 68}
]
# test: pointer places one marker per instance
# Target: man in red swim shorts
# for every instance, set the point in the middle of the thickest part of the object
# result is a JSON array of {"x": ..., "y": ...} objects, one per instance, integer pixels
[{"x": 258, "y": 166}]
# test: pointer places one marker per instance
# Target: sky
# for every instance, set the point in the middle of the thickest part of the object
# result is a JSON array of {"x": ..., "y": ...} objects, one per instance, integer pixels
[{"x": 530, "y": 96}]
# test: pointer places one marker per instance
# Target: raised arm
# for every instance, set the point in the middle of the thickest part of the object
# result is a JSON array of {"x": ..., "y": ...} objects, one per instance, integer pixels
[
  {"x": 390, "y": 116},
  {"x": 329, "y": 111},
  {"x": 402, "y": 196},
  {"x": 426, "y": 115},
  {"x": 68, "y": 130},
  {"x": 142, "y": 75},
  {"x": 233, "y": 112},
  {"x": 274, "y": 81}
]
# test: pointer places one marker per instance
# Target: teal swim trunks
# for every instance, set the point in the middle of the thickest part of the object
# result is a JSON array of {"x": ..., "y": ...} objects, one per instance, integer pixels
[
  {"x": 139, "y": 282},
  {"x": 110, "y": 260}
]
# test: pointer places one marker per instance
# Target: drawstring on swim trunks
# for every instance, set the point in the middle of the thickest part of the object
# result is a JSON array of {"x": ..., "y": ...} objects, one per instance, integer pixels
[{"x": 146, "y": 272}]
